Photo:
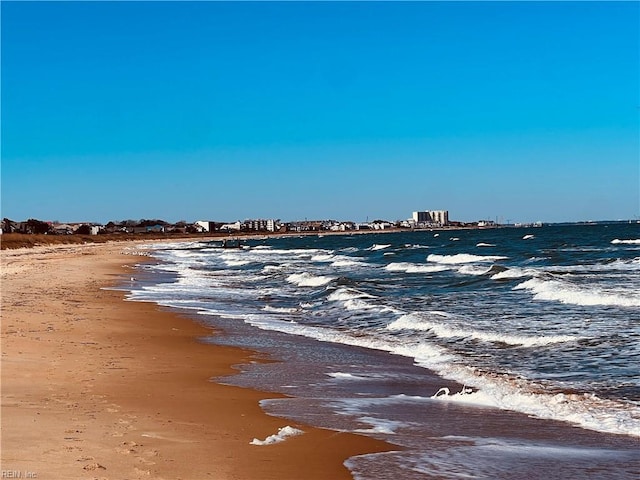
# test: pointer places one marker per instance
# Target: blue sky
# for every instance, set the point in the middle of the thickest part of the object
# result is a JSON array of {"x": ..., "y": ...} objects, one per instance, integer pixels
[{"x": 519, "y": 111}]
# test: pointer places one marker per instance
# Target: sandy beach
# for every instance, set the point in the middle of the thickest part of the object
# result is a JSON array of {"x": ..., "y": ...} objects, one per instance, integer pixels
[{"x": 95, "y": 387}]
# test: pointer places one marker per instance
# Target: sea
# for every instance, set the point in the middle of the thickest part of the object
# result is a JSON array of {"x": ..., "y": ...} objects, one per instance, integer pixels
[{"x": 480, "y": 353}]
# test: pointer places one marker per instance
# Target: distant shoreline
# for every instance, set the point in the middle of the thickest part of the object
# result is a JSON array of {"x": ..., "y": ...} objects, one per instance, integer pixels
[{"x": 26, "y": 240}]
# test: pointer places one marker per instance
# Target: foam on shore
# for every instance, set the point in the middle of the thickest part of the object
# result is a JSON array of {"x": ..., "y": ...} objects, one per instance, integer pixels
[{"x": 283, "y": 434}]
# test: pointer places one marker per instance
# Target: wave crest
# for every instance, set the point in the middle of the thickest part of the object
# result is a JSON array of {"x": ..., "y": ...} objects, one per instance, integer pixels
[
  {"x": 617, "y": 241},
  {"x": 463, "y": 258},
  {"x": 375, "y": 247},
  {"x": 556, "y": 290},
  {"x": 418, "y": 322},
  {"x": 307, "y": 280},
  {"x": 414, "y": 268}
]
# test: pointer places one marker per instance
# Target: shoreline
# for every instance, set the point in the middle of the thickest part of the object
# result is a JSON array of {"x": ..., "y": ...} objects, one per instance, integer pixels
[
  {"x": 94, "y": 386},
  {"x": 22, "y": 241}
]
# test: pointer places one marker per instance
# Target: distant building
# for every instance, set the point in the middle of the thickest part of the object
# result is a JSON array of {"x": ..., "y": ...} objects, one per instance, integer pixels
[
  {"x": 261, "y": 225},
  {"x": 440, "y": 216},
  {"x": 421, "y": 217},
  {"x": 486, "y": 223},
  {"x": 432, "y": 217},
  {"x": 63, "y": 229},
  {"x": 408, "y": 223},
  {"x": 155, "y": 229},
  {"x": 341, "y": 226},
  {"x": 202, "y": 226},
  {"x": 205, "y": 226},
  {"x": 231, "y": 226},
  {"x": 306, "y": 226}
]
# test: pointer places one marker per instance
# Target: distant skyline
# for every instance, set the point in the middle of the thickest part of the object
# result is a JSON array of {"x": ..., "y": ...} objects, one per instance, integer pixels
[{"x": 521, "y": 111}]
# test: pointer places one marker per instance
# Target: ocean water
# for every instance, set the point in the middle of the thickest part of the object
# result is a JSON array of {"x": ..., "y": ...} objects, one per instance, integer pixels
[{"x": 497, "y": 353}]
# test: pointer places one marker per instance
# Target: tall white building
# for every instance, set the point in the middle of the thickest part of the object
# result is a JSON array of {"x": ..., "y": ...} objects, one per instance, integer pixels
[
  {"x": 439, "y": 217},
  {"x": 269, "y": 225}
]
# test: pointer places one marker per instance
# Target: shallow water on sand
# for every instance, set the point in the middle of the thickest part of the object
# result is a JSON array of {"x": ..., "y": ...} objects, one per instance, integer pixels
[{"x": 388, "y": 397}]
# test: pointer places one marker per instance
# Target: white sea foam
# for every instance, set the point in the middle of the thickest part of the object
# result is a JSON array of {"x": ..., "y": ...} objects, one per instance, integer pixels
[
  {"x": 419, "y": 322},
  {"x": 269, "y": 308},
  {"x": 344, "y": 262},
  {"x": 498, "y": 391},
  {"x": 236, "y": 263},
  {"x": 463, "y": 258},
  {"x": 357, "y": 304},
  {"x": 346, "y": 376},
  {"x": 617, "y": 241},
  {"x": 186, "y": 253},
  {"x": 616, "y": 265},
  {"x": 293, "y": 252},
  {"x": 528, "y": 237},
  {"x": 482, "y": 244},
  {"x": 281, "y": 436},
  {"x": 564, "y": 292},
  {"x": 414, "y": 268},
  {"x": 344, "y": 294},
  {"x": 631, "y": 264},
  {"x": 310, "y": 304},
  {"x": 356, "y": 406},
  {"x": 433, "y": 354},
  {"x": 354, "y": 300},
  {"x": 465, "y": 395},
  {"x": 176, "y": 246},
  {"x": 307, "y": 280},
  {"x": 274, "y": 268},
  {"x": 322, "y": 258},
  {"x": 375, "y": 247},
  {"x": 586, "y": 410},
  {"x": 339, "y": 260},
  {"x": 379, "y": 425},
  {"x": 514, "y": 272},
  {"x": 474, "y": 270}
]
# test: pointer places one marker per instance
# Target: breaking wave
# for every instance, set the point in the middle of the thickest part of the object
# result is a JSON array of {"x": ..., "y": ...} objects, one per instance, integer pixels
[
  {"x": 560, "y": 291},
  {"x": 418, "y": 322},
  {"x": 375, "y": 247},
  {"x": 414, "y": 268},
  {"x": 463, "y": 258},
  {"x": 626, "y": 242},
  {"x": 307, "y": 280}
]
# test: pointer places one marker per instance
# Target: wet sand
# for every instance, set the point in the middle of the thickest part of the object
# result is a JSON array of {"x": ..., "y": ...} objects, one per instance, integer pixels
[{"x": 97, "y": 387}]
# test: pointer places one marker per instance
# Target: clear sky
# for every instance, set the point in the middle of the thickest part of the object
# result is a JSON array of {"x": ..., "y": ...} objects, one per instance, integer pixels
[{"x": 519, "y": 111}]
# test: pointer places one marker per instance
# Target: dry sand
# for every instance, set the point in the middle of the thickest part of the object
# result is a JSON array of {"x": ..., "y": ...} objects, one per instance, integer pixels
[{"x": 94, "y": 387}]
